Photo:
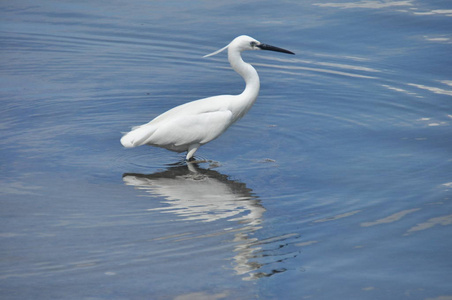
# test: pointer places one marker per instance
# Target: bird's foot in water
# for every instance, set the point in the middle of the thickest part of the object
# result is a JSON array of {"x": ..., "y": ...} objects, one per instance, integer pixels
[
  {"x": 193, "y": 160},
  {"x": 212, "y": 164}
]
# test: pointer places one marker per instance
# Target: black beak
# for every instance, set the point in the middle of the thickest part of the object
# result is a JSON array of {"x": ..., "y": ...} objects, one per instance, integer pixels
[{"x": 273, "y": 48}]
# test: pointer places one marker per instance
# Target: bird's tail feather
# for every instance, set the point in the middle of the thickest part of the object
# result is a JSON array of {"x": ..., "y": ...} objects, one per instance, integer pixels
[{"x": 137, "y": 137}]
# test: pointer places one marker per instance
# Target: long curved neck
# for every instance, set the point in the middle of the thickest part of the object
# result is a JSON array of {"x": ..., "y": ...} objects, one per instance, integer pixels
[{"x": 249, "y": 95}]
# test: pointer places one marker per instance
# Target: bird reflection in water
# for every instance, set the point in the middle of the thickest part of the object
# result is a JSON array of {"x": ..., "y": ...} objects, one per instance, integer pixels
[{"x": 205, "y": 195}]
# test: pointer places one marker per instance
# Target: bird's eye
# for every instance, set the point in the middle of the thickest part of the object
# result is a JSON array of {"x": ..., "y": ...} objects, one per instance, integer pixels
[{"x": 253, "y": 44}]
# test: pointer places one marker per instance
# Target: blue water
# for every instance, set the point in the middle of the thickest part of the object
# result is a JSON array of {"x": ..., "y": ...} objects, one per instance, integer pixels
[{"x": 336, "y": 185}]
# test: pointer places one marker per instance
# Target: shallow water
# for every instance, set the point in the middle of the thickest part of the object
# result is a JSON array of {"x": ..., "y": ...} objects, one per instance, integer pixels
[{"x": 336, "y": 185}]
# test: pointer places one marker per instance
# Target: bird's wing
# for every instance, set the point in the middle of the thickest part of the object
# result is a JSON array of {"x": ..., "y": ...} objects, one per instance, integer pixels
[
  {"x": 198, "y": 121},
  {"x": 191, "y": 128},
  {"x": 205, "y": 105}
]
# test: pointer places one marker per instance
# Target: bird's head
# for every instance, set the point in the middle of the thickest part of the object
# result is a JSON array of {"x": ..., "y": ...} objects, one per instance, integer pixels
[{"x": 244, "y": 42}]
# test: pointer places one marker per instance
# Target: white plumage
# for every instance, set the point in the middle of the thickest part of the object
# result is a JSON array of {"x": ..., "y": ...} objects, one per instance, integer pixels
[{"x": 188, "y": 126}]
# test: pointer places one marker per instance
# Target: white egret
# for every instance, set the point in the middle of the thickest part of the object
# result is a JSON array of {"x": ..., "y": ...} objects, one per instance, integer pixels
[{"x": 188, "y": 126}]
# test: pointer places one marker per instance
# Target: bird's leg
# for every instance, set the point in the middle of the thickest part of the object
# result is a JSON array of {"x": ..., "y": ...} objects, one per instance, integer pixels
[{"x": 191, "y": 151}]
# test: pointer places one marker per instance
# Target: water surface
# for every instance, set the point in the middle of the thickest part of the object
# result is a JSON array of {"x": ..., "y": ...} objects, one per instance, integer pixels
[{"x": 336, "y": 185}]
